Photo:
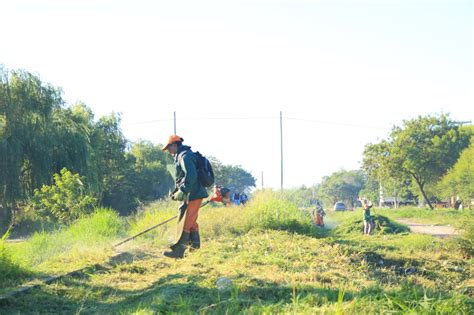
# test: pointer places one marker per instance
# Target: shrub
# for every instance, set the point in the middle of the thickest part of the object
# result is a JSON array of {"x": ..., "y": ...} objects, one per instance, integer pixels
[{"x": 65, "y": 201}]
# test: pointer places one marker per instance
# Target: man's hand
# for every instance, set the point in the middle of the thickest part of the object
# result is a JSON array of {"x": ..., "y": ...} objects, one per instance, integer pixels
[{"x": 179, "y": 195}]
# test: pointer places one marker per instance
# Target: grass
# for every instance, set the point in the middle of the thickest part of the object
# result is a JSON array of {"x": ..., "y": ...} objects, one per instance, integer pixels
[
  {"x": 277, "y": 263},
  {"x": 11, "y": 272},
  {"x": 85, "y": 242}
]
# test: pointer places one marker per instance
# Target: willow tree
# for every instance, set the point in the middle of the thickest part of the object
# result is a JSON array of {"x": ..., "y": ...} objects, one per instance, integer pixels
[
  {"x": 26, "y": 105},
  {"x": 73, "y": 148},
  {"x": 109, "y": 145}
]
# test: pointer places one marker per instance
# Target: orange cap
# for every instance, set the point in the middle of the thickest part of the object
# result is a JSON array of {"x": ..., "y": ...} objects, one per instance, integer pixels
[{"x": 172, "y": 139}]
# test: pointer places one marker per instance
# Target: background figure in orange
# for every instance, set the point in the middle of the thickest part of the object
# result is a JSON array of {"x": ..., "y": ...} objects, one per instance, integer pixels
[
  {"x": 320, "y": 213},
  {"x": 221, "y": 194}
]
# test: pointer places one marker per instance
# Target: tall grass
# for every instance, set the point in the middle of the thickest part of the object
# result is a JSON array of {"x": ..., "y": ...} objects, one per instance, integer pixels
[
  {"x": 155, "y": 213},
  {"x": 266, "y": 210},
  {"x": 86, "y": 239},
  {"x": 11, "y": 272}
]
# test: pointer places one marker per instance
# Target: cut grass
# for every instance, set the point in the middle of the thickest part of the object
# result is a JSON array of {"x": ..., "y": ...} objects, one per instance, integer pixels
[{"x": 382, "y": 225}]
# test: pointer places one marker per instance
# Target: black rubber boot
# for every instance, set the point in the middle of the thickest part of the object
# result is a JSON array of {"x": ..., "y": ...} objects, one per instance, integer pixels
[
  {"x": 178, "y": 249},
  {"x": 194, "y": 240}
]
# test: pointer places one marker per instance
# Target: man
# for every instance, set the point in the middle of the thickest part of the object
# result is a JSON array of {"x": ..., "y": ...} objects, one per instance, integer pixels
[
  {"x": 188, "y": 190},
  {"x": 368, "y": 223}
]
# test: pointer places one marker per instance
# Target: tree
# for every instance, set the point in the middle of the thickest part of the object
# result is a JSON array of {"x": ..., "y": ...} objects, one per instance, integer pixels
[
  {"x": 342, "y": 185},
  {"x": 371, "y": 190},
  {"x": 26, "y": 105},
  {"x": 380, "y": 170},
  {"x": 143, "y": 178},
  {"x": 149, "y": 175},
  {"x": 72, "y": 147},
  {"x": 109, "y": 146},
  {"x": 460, "y": 178},
  {"x": 425, "y": 148},
  {"x": 302, "y": 196},
  {"x": 230, "y": 176}
]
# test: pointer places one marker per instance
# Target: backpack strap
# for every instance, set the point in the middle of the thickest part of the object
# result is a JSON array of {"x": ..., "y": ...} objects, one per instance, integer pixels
[{"x": 181, "y": 154}]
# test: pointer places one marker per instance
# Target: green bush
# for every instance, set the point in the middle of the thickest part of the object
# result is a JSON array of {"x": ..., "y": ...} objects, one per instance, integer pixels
[{"x": 65, "y": 201}]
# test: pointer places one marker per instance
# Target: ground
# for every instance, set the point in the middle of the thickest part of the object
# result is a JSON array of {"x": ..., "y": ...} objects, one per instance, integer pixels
[{"x": 432, "y": 229}]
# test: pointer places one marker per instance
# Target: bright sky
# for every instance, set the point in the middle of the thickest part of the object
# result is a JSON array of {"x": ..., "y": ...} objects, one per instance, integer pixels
[{"x": 346, "y": 71}]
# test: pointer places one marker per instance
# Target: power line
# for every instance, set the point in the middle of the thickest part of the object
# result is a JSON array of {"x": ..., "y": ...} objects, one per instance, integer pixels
[
  {"x": 147, "y": 122},
  {"x": 343, "y": 124},
  {"x": 200, "y": 118},
  {"x": 335, "y": 123}
]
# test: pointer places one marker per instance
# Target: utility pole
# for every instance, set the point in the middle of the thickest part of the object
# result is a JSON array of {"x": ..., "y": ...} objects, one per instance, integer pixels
[
  {"x": 281, "y": 149},
  {"x": 174, "y": 114},
  {"x": 262, "y": 180}
]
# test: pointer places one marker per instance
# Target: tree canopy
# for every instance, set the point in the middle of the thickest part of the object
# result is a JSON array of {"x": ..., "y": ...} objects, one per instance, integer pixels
[
  {"x": 422, "y": 150},
  {"x": 460, "y": 178},
  {"x": 232, "y": 176},
  {"x": 341, "y": 186}
]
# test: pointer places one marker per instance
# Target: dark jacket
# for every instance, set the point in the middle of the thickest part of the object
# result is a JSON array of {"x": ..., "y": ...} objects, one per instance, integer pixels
[
  {"x": 186, "y": 174},
  {"x": 367, "y": 216}
]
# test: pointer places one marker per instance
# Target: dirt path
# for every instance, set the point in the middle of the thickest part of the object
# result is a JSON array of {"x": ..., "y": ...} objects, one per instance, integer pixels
[{"x": 432, "y": 229}]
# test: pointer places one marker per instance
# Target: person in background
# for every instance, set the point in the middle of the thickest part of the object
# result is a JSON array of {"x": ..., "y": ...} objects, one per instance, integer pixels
[
  {"x": 320, "y": 213},
  {"x": 368, "y": 222},
  {"x": 243, "y": 198},
  {"x": 221, "y": 194},
  {"x": 236, "y": 198}
]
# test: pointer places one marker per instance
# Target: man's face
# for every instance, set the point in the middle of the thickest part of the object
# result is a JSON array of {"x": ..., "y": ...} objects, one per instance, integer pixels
[{"x": 172, "y": 149}]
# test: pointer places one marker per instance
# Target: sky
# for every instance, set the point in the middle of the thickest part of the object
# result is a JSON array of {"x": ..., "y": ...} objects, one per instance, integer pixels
[{"x": 342, "y": 73}]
